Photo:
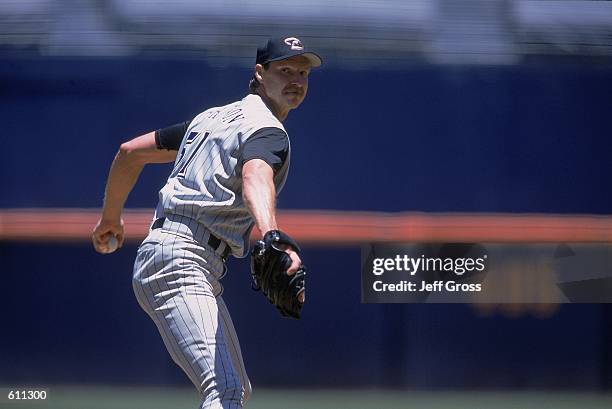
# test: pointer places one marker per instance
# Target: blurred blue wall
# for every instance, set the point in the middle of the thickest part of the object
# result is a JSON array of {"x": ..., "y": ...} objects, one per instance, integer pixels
[
  {"x": 528, "y": 138},
  {"x": 531, "y": 138}
]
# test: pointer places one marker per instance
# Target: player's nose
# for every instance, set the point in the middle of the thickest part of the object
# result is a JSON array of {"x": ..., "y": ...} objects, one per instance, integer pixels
[
  {"x": 299, "y": 81},
  {"x": 299, "y": 86},
  {"x": 296, "y": 85}
]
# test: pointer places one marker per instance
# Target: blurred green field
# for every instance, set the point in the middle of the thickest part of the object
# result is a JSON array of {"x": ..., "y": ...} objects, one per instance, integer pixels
[{"x": 65, "y": 397}]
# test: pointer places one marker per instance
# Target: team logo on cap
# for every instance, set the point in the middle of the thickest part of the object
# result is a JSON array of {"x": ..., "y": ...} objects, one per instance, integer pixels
[{"x": 295, "y": 43}]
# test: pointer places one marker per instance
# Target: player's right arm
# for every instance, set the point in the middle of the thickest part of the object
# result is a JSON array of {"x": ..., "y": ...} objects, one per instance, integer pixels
[
  {"x": 259, "y": 195},
  {"x": 263, "y": 154},
  {"x": 154, "y": 147}
]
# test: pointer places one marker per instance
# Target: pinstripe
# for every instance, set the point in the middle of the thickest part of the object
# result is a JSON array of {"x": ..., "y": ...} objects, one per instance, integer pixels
[
  {"x": 203, "y": 328},
  {"x": 186, "y": 325},
  {"x": 222, "y": 358},
  {"x": 150, "y": 306},
  {"x": 152, "y": 310},
  {"x": 235, "y": 351},
  {"x": 190, "y": 335},
  {"x": 180, "y": 357},
  {"x": 189, "y": 312},
  {"x": 178, "y": 309},
  {"x": 218, "y": 206},
  {"x": 197, "y": 299}
]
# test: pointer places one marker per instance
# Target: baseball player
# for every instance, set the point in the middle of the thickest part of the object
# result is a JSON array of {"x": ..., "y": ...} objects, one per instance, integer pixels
[{"x": 230, "y": 163}]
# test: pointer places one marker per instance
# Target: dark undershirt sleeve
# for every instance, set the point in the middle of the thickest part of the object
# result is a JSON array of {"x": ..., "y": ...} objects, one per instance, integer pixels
[
  {"x": 170, "y": 138},
  {"x": 268, "y": 144}
]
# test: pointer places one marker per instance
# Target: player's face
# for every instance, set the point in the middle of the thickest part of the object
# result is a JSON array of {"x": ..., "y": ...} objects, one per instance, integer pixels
[{"x": 285, "y": 83}]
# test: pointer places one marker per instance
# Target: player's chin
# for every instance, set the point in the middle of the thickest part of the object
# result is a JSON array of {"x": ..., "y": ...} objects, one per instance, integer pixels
[{"x": 294, "y": 104}]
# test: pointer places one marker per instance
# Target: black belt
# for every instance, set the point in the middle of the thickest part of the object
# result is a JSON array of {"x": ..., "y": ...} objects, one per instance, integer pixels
[{"x": 213, "y": 241}]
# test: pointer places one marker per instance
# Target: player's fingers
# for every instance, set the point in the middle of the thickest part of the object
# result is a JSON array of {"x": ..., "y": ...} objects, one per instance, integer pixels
[
  {"x": 106, "y": 237},
  {"x": 108, "y": 243},
  {"x": 104, "y": 230},
  {"x": 295, "y": 262},
  {"x": 96, "y": 246},
  {"x": 100, "y": 247},
  {"x": 97, "y": 237},
  {"x": 302, "y": 297},
  {"x": 100, "y": 231},
  {"x": 119, "y": 235},
  {"x": 100, "y": 238}
]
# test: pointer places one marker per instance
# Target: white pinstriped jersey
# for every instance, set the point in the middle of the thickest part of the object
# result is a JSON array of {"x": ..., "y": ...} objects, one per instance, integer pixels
[{"x": 206, "y": 182}]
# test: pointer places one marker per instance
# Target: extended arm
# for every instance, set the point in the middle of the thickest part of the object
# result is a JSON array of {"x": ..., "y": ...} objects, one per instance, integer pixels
[
  {"x": 259, "y": 195},
  {"x": 124, "y": 172},
  {"x": 263, "y": 153}
]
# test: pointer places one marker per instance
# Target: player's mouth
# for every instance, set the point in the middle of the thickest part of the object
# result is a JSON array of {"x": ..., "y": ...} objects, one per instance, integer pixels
[{"x": 294, "y": 91}]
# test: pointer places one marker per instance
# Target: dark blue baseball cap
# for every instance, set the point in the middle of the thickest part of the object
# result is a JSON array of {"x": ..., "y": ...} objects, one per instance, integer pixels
[{"x": 281, "y": 48}]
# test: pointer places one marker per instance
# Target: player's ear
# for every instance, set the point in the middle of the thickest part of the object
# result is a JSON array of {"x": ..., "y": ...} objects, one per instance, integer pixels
[{"x": 259, "y": 72}]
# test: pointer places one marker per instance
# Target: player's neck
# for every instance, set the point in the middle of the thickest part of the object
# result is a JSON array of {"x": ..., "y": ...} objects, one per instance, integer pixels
[{"x": 278, "y": 113}]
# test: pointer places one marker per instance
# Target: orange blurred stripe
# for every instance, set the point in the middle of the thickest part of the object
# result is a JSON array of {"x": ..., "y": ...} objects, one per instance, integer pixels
[{"x": 335, "y": 227}]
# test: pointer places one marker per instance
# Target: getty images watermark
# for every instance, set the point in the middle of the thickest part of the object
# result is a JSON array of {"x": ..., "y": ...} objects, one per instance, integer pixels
[
  {"x": 486, "y": 273},
  {"x": 398, "y": 273},
  {"x": 419, "y": 265}
]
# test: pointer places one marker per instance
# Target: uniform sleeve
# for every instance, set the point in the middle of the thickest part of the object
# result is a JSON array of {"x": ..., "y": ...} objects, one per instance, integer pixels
[
  {"x": 170, "y": 138},
  {"x": 268, "y": 144}
]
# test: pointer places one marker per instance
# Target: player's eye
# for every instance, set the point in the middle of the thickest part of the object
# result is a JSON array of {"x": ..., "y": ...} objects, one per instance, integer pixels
[
  {"x": 286, "y": 70},
  {"x": 304, "y": 73}
]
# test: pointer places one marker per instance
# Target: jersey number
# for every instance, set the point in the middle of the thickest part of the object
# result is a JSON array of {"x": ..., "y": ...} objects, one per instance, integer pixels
[{"x": 190, "y": 138}]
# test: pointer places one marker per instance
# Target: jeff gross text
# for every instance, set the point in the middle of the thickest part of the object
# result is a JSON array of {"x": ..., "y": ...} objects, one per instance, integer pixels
[{"x": 414, "y": 265}]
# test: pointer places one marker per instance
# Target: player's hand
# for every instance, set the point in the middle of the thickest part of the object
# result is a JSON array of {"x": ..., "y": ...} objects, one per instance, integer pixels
[
  {"x": 296, "y": 262},
  {"x": 276, "y": 270},
  {"x": 104, "y": 230}
]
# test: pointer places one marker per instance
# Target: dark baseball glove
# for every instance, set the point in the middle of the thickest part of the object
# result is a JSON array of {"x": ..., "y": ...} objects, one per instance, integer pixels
[{"x": 269, "y": 266}]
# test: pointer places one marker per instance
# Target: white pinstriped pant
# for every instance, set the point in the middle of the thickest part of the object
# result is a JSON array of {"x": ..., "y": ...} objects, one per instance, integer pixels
[{"x": 176, "y": 281}]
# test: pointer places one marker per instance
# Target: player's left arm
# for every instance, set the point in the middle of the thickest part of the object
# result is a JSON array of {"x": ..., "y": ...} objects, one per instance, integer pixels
[
  {"x": 154, "y": 147},
  {"x": 264, "y": 153},
  {"x": 259, "y": 194}
]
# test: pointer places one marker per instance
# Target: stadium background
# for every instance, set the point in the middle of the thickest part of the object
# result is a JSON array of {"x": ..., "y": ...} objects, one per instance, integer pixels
[{"x": 429, "y": 106}]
